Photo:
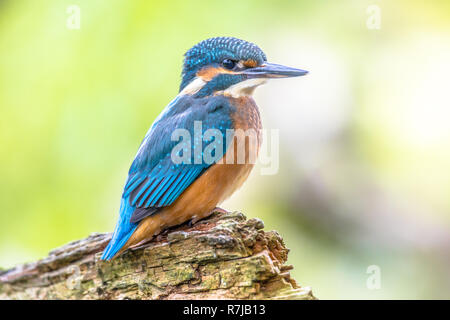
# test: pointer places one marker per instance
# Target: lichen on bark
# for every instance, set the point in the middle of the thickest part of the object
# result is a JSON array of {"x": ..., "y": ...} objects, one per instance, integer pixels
[{"x": 223, "y": 257}]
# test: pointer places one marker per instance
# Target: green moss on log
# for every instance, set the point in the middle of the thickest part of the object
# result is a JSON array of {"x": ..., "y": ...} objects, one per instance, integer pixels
[{"x": 222, "y": 257}]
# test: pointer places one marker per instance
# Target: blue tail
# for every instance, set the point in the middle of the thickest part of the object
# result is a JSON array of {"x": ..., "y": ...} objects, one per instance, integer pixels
[{"x": 123, "y": 231}]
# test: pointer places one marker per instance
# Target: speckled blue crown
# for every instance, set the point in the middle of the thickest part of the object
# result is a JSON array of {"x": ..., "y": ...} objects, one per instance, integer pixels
[{"x": 215, "y": 50}]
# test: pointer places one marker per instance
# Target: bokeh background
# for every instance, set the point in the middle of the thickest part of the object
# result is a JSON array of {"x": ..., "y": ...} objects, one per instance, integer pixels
[{"x": 364, "y": 157}]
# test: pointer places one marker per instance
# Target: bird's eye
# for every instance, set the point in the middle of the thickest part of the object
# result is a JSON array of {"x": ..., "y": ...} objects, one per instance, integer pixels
[{"x": 228, "y": 64}]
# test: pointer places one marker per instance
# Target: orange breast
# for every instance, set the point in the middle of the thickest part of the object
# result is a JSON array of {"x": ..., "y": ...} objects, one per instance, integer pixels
[{"x": 215, "y": 185}]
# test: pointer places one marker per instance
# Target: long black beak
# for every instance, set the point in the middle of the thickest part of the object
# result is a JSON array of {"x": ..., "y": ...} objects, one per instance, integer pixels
[{"x": 272, "y": 70}]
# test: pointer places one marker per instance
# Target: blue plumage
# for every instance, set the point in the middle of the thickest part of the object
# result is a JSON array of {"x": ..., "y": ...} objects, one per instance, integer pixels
[
  {"x": 123, "y": 231},
  {"x": 214, "y": 50},
  {"x": 154, "y": 180}
]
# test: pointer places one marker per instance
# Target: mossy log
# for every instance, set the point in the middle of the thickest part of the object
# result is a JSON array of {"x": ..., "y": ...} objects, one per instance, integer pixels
[{"x": 223, "y": 257}]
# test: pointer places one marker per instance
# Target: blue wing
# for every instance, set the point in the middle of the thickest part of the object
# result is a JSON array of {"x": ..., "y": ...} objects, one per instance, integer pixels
[{"x": 154, "y": 180}]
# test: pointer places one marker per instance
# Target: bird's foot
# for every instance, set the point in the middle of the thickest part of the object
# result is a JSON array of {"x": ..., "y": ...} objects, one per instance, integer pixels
[
  {"x": 195, "y": 219},
  {"x": 141, "y": 244},
  {"x": 219, "y": 210}
]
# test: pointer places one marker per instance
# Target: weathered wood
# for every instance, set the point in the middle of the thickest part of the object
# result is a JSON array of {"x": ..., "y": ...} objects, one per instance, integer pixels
[{"x": 222, "y": 257}]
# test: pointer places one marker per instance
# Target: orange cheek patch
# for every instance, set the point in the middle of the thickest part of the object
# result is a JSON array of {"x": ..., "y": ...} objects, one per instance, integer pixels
[
  {"x": 250, "y": 63},
  {"x": 208, "y": 73}
]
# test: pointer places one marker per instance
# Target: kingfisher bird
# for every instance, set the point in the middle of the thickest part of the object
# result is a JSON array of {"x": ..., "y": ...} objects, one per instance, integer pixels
[{"x": 219, "y": 76}]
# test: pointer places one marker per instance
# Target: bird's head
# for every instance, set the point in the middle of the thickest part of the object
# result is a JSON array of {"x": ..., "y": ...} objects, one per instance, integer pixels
[{"x": 230, "y": 66}]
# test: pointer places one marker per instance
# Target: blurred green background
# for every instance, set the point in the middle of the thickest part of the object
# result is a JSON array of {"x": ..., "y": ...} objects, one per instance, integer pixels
[{"x": 364, "y": 159}]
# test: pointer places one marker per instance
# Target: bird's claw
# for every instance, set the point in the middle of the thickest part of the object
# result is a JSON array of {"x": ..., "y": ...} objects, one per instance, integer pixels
[{"x": 195, "y": 219}]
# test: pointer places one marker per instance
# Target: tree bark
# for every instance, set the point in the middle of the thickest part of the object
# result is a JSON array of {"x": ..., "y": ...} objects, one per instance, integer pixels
[{"x": 222, "y": 257}]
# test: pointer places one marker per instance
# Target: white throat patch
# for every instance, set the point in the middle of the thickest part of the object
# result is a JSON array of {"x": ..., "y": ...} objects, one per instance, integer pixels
[
  {"x": 193, "y": 87},
  {"x": 243, "y": 88}
]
